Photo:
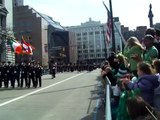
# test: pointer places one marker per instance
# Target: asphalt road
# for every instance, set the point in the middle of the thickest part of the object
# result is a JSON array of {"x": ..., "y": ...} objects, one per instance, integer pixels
[{"x": 70, "y": 96}]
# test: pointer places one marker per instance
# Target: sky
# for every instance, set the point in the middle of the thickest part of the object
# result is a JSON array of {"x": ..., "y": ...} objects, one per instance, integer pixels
[{"x": 131, "y": 13}]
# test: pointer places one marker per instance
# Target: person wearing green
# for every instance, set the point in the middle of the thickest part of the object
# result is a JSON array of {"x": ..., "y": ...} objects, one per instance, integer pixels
[
  {"x": 133, "y": 47},
  {"x": 151, "y": 51}
]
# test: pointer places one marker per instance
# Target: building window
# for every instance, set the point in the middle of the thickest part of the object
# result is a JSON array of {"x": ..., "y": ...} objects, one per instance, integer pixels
[
  {"x": 90, "y": 33},
  {"x": 79, "y": 38},
  {"x": 97, "y": 32},
  {"x": 92, "y": 56},
  {"x": 84, "y": 34},
  {"x": 84, "y": 46},
  {"x": 84, "y": 38},
  {"x": 85, "y": 51},
  {"x": 98, "y": 50},
  {"x": 78, "y": 34},
  {"x": 79, "y": 56},
  {"x": 79, "y": 47},
  {"x": 91, "y": 46},
  {"x": 86, "y": 56},
  {"x": 98, "y": 55},
  {"x": 91, "y": 51},
  {"x": 79, "y": 51}
]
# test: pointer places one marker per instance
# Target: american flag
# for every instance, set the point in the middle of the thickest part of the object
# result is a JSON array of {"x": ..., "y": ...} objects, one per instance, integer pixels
[{"x": 108, "y": 26}]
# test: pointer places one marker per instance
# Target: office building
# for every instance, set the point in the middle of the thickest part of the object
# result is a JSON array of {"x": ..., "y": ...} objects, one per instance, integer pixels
[
  {"x": 91, "y": 41},
  {"x": 6, "y": 27},
  {"x": 47, "y": 36}
]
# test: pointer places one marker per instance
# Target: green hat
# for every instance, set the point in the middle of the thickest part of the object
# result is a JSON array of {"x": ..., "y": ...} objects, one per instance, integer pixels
[{"x": 122, "y": 71}]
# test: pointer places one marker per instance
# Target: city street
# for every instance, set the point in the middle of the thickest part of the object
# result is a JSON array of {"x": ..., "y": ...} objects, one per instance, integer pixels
[{"x": 70, "y": 96}]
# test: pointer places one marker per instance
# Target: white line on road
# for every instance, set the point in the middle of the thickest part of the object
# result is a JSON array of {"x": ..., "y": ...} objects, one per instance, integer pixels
[{"x": 36, "y": 91}]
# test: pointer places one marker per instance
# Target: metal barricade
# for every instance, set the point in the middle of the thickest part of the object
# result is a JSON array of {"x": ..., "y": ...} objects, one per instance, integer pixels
[{"x": 108, "y": 100}]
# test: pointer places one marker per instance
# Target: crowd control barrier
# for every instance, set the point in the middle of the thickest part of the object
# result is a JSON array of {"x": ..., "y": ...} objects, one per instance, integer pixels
[{"x": 108, "y": 100}]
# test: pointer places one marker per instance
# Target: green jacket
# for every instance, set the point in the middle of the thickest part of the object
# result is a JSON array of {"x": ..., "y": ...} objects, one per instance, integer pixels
[
  {"x": 150, "y": 54},
  {"x": 128, "y": 52}
]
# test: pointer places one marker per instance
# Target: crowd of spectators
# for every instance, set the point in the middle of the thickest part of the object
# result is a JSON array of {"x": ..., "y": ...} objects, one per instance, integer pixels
[{"x": 134, "y": 74}]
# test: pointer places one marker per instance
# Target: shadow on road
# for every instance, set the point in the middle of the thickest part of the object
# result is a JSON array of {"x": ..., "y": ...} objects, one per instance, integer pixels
[
  {"x": 96, "y": 107},
  {"x": 48, "y": 92},
  {"x": 88, "y": 117}
]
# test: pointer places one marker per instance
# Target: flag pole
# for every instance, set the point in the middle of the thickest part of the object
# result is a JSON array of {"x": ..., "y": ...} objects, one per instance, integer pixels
[
  {"x": 113, "y": 35},
  {"x": 120, "y": 34},
  {"x": 105, "y": 46},
  {"x": 108, "y": 29}
]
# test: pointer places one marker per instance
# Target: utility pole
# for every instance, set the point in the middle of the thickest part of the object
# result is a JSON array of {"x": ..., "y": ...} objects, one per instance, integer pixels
[{"x": 112, "y": 26}]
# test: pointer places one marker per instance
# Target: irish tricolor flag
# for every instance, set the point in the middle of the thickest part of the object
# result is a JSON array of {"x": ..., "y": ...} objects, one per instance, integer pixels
[{"x": 16, "y": 46}]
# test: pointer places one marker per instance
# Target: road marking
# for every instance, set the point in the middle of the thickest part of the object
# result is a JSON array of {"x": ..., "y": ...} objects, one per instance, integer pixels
[{"x": 36, "y": 91}]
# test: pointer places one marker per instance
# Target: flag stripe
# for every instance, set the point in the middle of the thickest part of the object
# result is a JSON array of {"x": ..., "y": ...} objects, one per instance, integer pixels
[{"x": 108, "y": 26}]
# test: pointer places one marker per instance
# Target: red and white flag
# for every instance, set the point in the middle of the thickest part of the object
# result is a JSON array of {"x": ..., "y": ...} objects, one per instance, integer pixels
[{"x": 27, "y": 47}]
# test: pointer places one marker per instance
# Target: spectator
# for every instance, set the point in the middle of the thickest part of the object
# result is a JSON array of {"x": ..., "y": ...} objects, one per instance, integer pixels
[
  {"x": 156, "y": 66},
  {"x": 107, "y": 71},
  {"x": 133, "y": 47},
  {"x": 150, "y": 52},
  {"x": 146, "y": 82},
  {"x": 157, "y": 42},
  {"x": 138, "y": 109},
  {"x": 123, "y": 72},
  {"x": 112, "y": 59},
  {"x": 151, "y": 31},
  {"x": 156, "y": 35}
]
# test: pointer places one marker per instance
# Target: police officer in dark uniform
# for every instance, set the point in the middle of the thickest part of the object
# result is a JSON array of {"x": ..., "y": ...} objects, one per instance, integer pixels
[
  {"x": 31, "y": 75},
  {"x": 38, "y": 75},
  {"x": 12, "y": 76},
  {"x": 24, "y": 73},
  {"x": 53, "y": 70},
  {"x": 9, "y": 75},
  {"x": 3, "y": 72},
  {"x": 16, "y": 75},
  {"x": 71, "y": 67}
]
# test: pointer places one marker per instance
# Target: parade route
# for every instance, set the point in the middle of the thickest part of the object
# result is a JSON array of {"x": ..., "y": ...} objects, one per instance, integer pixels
[{"x": 69, "y": 96}]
